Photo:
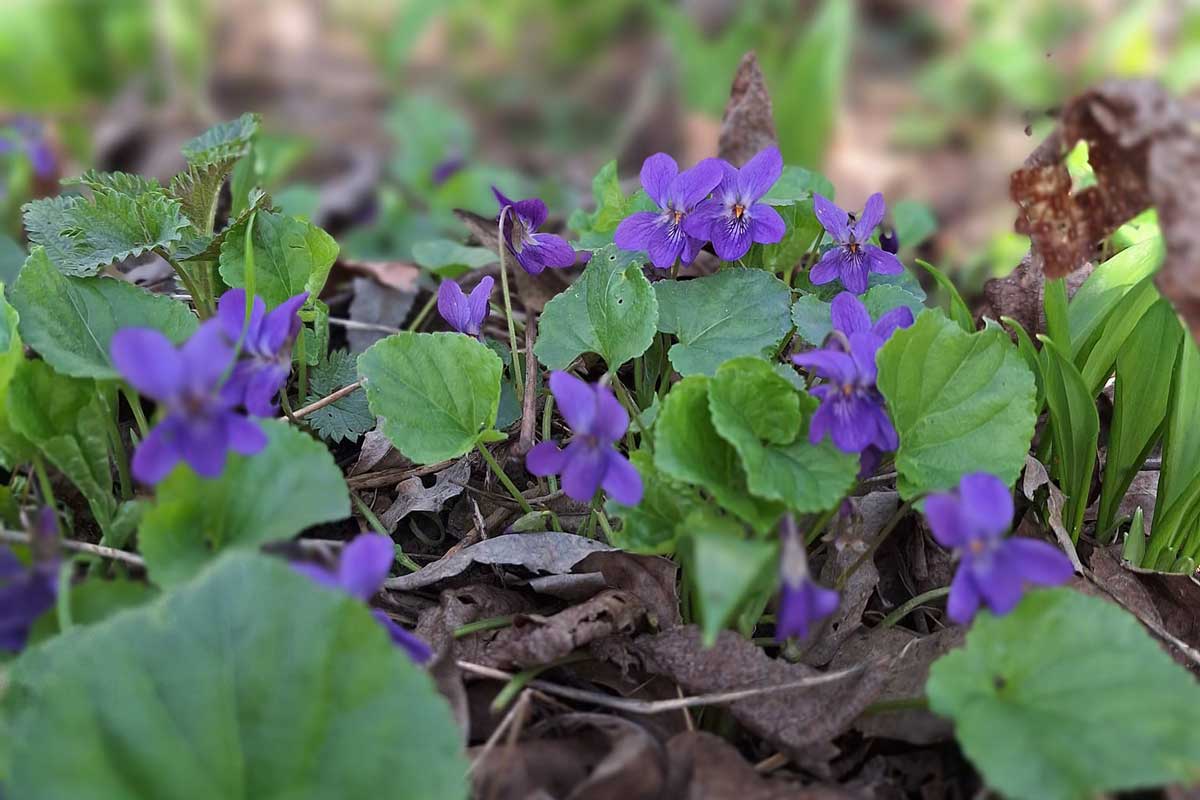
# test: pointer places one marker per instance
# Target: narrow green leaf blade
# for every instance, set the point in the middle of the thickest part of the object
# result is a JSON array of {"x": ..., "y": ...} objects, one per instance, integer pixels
[
  {"x": 1076, "y": 427},
  {"x": 725, "y": 570}
]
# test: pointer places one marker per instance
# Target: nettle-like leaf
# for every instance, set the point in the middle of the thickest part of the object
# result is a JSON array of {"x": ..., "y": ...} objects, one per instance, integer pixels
[
  {"x": 223, "y": 141},
  {"x": 290, "y": 256},
  {"x": 962, "y": 402},
  {"x": 611, "y": 311},
  {"x": 763, "y": 416},
  {"x": 348, "y": 418},
  {"x": 291, "y": 485},
  {"x": 737, "y": 312},
  {"x": 81, "y": 236},
  {"x": 223, "y": 685},
  {"x": 1068, "y": 697},
  {"x": 120, "y": 182},
  {"x": 725, "y": 569},
  {"x": 813, "y": 319},
  {"x": 688, "y": 448},
  {"x": 70, "y": 321},
  {"x": 199, "y": 246},
  {"x": 436, "y": 392},
  {"x": 198, "y": 190},
  {"x": 650, "y": 526}
]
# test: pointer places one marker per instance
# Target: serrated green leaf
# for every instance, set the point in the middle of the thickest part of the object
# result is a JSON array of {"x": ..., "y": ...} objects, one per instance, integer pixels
[
  {"x": 224, "y": 141},
  {"x": 725, "y": 570},
  {"x": 290, "y": 485},
  {"x": 450, "y": 259},
  {"x": 650, "y": 526},
  {"x": 611, "y": 311},
  {"x": 763, "y": 416},
  {"x": 612, "y": 206},
  {"x": 1067, "y": 698},
  {"x": 198, "y": 190},
  {"x": 1076, "y": 428},
  {"x": 81, "y": 236},
  {"x": 688, "y": 448},
  {"x": 348, "y": 418},
  {"x": 198, "y": 246},
  {"x": 961, "y": 403},
  {"x": 736, "y": 312},
  {"x": 437, "y": 392},
  {"x": 221, "y": 687},
  {"x": 290, "y": 257},
  {"x": 70, "y": 321},
  {"x": 120, "y": 182}
]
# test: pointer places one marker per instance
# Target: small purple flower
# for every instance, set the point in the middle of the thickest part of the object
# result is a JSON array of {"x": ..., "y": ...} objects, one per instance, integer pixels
[
  {"x": 992, "y": 569},
  {"x": 889, "y": 240},
  {"x": 534, "y": 251},
  {"x": 200, "y": 422},
  {"x": 28, "y": 592},
  {"x": 362, "y": 568},
  {"x": 590, "y": 460},
  {"x": 465, "y": 313},
  {"x": 732, "y": 218},
  {"x": 266, "y": 348},
  {"x": 662, "y": 235},
  {"x": 853, "y": 257},
  {"x": 802, "y": 601},
  {"x": 35, "y": 144},
  {"x": 446, "y": 169},
  {"x": 852, "y": 409}
]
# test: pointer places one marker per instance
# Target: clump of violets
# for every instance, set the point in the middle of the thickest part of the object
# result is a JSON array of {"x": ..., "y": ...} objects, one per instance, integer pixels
[
  {"x": 663, "y": 234},
  {"x": 590, "y": 461},
  {"x": 465, "y": 313},
  {"x": 852, "y": 258},
  {"x": 852, "y": 410},
  {"x": 266, "y": 341},
  {"x": 992, "y": 569},
  {"x": 27, "y": 592},
  {"x": 733, "y": 219},
  {"x": 534, "y": 251},
  {"x": 802, "y": 602},
  {"x": 200, "y": 422},
  {"x": 361, "y": 570}
]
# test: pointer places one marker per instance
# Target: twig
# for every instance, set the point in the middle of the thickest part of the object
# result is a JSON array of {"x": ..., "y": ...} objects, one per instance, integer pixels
[
  {"x": 329, "y": 399},
  {"x": 771, "y": 763},
  {"x": 80, "y": 547},
  {"x": 518, "y": 711},
  {"x": 529, "y": 404},
  {"x": 394, "y": 475},
  {"x": 355, "y": 325},
  {"x": 661, "y": 706}
]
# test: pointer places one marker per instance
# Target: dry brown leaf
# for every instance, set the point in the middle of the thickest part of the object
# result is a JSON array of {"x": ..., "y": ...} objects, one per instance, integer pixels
[
  {"x": 413, "y": 495},
  {"x": 534, "y": 640},
  {"x": 398, "y": 275},
  {"x": 706, "y": 767},
  {"x": 747, "y": 126}
]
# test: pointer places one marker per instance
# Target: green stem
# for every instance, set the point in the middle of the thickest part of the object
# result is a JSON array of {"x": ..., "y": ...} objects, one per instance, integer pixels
[
  {"x": 504, "y": 479},
  {"x": 62, "y": 606},
  {"x": 522, "y": 679},
  {"x": 120, "y": 454},
  {"x": 592, "y": 513},
  {"x": 910, "y": 606},
  {"x": 502, "y": 246},
  {"x": 489, "y": 624},
  {"x": 379, "y": 528},
  {"x": 248, "y": 276},
  {"x": 878, "y": 540},
  {"x": 135, "y": 405},
  {"x": 423, "y": 313},
  {"x": 43, "y": 478},
  {"x": 635, "y": 415},
  {"x": 606, "y": 525},
  {"x": 199, "y": 300},
  {"x": 302, "y": 370},
  {"x": 547, "y": 415}
]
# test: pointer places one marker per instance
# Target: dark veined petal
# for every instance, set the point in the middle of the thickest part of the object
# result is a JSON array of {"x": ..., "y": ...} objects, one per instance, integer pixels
[
  {"x": 964, "y": 597},
  {"x": 545, "y": 459},
  {"x": 365, "y": 564},
  {"x": 453, "y": 306},
  {"x": 849, "y": 314},
  {"x": 887, "y": 324},
  {"x": 759, "y": 174},
  {"x": 1039, "y": 563},
  {"x": 829, "y": 268},
  {"x": 853, "y": 426},
  {"x": 693, "y": 185},
  {"x": 854, "y": 272},
  {"x": 832, "y": 217},
  {"x": 634, "y": 232},
  {"x": 987, "y": 504},
  {"x": 584, "y": 471},
  {"x": 621, "y": 480},
  {"x": 658, "y": 171},
  {"x": 766, "y": 226},
  {"x": 576, "y": 401},
  {"x": 158, "y": 453},
  {"x": 872, "y": 215},
  {"x": 664, "y": 249},
  {"x": 731, "y": 238},
  {"x": 149, "y": 361}
]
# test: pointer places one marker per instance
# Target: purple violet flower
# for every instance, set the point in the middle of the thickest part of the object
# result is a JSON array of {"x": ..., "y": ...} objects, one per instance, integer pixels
[
  {"x": 446, "y": 169},
  {"x": 465, "y": 313},
  {"x": 889, "y": 240},
  {"x": 35, "y": 145},
  {"x": 992, "y": 569},
  {"x": 266, "y": 348},
  {"x": 662, "y": 235},
  {"x": 28, "y": 592},
  {"x": 852, "y": 258},
  {"x": 802, "y": 601},
  {"x": 200, "y": 422},
  {"x": 362, "y": 568},
  {"x": 534, "y": 251},
  {"x": 732, "y": 218},
  {"x": 590, "y": 461},
  {"x": 852, "y": 409}
]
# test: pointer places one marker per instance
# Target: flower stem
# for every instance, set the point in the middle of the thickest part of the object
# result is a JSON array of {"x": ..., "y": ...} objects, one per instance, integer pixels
[
  {"x": 423, "y": 313},
  {"x": 43, "y": 478},
  {"x": 302, "y": 370},
  {"x": 502, "y": 247},
  {"x": 606, "y": 525},
  {"x": 135, "y": 405},
  {"x": 489, "y": 624},
  {"x": 547, "y": 415},
  {"x": 504, "y": 479},
  {"x": 120, "y": 454},
  {"x": 910, "y": 606},
  {"x": 199, "y": 300}
]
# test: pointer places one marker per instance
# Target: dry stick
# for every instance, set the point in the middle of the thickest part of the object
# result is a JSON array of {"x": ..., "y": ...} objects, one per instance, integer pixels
[
  {"x": 394, "y": 475},
  {"x": 529, "y": 404},
  {"x": 355, "y": 325},
  {"x": 80, "y": 547},
  {"x": 518, "y": 711},
  {"x": 329, "y": 399},
  {"x": 771, "y": 763},
  {"x": 1183, "y": 647},
  {"x": 661, "y": 706}
]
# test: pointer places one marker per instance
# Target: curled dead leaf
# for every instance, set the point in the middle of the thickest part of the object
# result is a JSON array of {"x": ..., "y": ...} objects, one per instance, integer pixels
[{"x": 748, "y": 125}]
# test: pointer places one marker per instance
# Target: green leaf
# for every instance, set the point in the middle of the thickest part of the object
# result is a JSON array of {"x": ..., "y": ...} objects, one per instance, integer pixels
[
  {"x": 1096, "y": 363},
  {"x": 1032, "y": 358},
  {"x": 80, "y": 236},
  {"x": 120, "y": 182},
  {"x": 198, "y": 190},
  {"x": 450, "y": 259},
  {"x": 1179, "y": 478},
  {"x": 273, "y": 495},
  {"x": 12, "y": 256},
  {"x": 886, "y": 297},
  {"x": 225, "y": 141},
  {"x": 13, "y": 447},
  {"x": 70, "y": 321},
  {"x": 437, "y": 392},
  {"x": 1105, "y": 288},
  {"x": 725, "y": 570},
  {"x": 348, "y": 418},
  {"x": 813, "y": 317},
  {"x": 199, "y": 246},
  {"x": 959, "y": 312},
  {"x": 650, "y": 526},
  {"x": 914, "y": 222},
  {"x": 1068, "y": 698},
  {"x": 803, "y": 228},
  {"x": 736, "y": 312},
  {"x": 250, "y": 681},
  {"x": 813, "y": 76},
  {"x": 612, "y": 206},
  {"x": 763, "y": 416},
  {"x": 961, "y": 403},
  {"x": 290, "y": 257},
  {"x": 797, "y": 184},
  {"x": 611, "y": 311},
  {"x": 1076, "y": 427},
  {"x": 688, "y": 448},
  {"x": 93, "y": 601}
]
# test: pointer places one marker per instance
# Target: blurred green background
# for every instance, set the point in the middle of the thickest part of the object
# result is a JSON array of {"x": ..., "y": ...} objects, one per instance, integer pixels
[{"x": 381, "y": 116}]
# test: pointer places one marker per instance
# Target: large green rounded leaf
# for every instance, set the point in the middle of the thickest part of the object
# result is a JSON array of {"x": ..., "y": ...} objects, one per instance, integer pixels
[
  {"x": 70, "y": 321},
  {"x": 436, "y": 392},
  {"x": 291, "y": 485},
  {"x": 249, "y": 682},
  {"x": 611, "y": 311},
  {"x": 737, "y": 312},
  {"x": 1068, "y": 697},
  {"x": 962, "y": 402},
  {"x": 290, "y": 256}
]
